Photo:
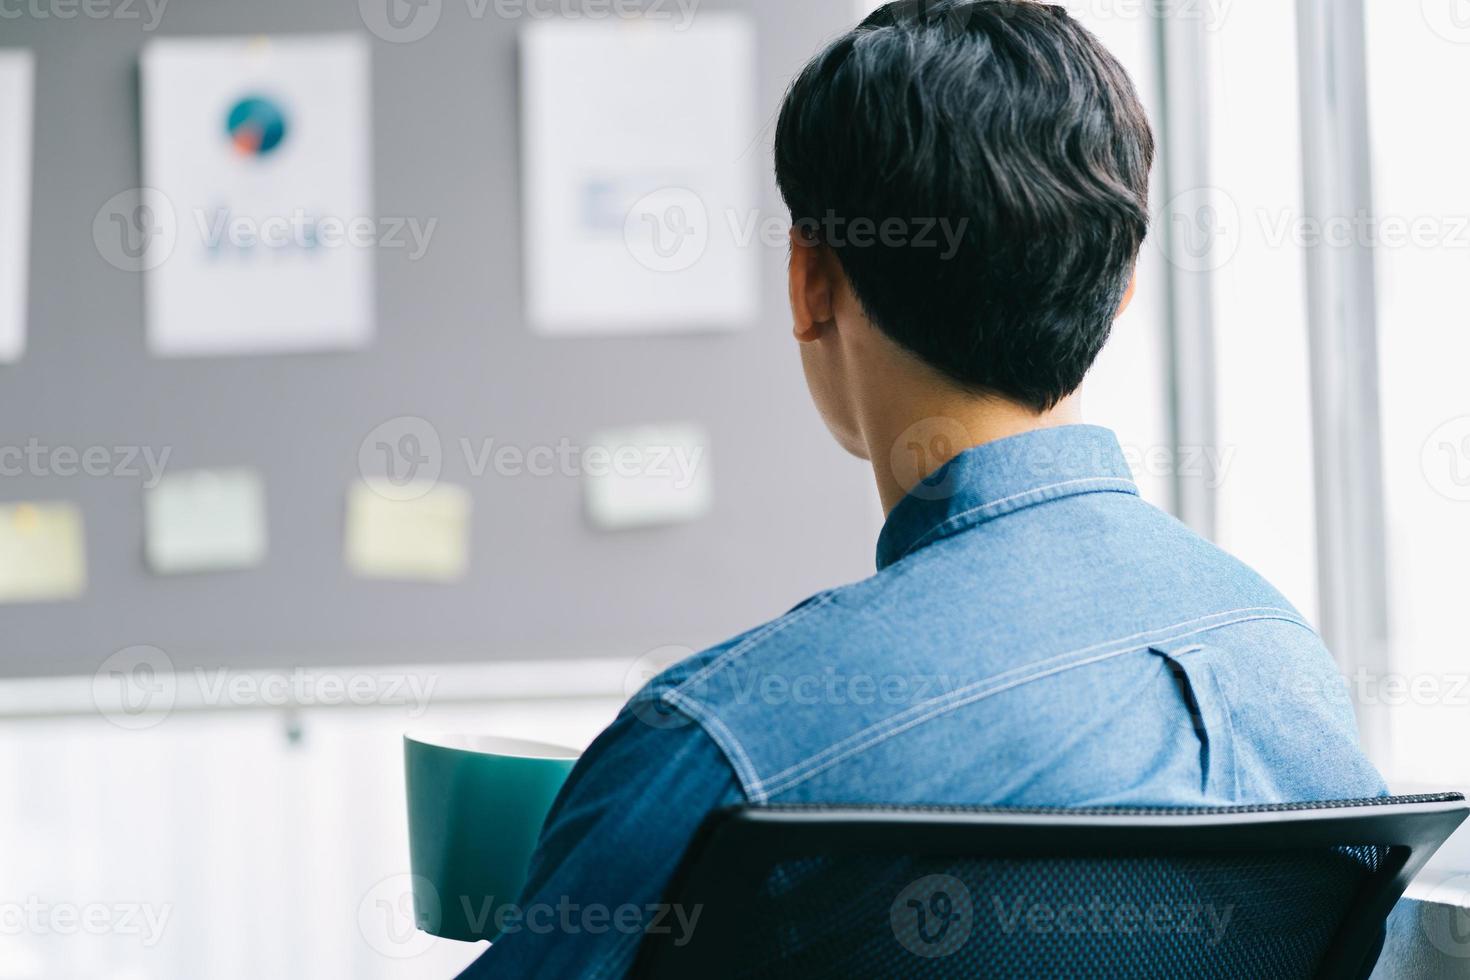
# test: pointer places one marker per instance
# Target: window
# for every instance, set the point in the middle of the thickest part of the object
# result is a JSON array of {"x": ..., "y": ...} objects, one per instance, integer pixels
[
  {"x": 1128, "y": 389},
  {"x": 1263, "y": 468},
  {"x": 1419, "y": 64}
]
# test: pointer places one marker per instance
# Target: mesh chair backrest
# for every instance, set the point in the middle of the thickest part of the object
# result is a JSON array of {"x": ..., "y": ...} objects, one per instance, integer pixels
[
  {"x": 1229, "y": 915},
  {"x": 1289, "y": 890}
]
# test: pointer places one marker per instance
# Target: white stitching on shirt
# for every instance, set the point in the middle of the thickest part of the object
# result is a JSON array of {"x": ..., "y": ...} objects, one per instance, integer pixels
[
  {"x": 1031, "y": 669},
  {"x": 966, "y": 696},
  {"x": 770, "y": 629},
  {"x": 759, "y": 790},
  {"x": 715, "y": 727}
]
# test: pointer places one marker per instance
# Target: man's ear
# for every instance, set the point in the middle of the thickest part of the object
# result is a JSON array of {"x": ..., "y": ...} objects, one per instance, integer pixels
[
  {"x": 1128, "y": 296},
  {"x": 812, "y": 288}
]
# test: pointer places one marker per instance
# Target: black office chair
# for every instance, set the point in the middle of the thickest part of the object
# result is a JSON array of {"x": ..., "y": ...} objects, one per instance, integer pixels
[{"x": 1294, "y": 890}]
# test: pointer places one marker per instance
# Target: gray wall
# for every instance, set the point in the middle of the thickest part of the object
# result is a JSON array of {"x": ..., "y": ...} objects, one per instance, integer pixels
[{"x": 792, "y": 514}]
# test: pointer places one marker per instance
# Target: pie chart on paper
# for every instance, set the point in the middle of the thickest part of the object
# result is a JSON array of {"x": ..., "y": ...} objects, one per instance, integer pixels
[{"x": 256, "y": 126}]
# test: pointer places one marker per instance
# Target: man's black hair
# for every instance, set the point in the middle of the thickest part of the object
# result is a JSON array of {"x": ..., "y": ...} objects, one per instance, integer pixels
[{"x": 980, "y": 168}]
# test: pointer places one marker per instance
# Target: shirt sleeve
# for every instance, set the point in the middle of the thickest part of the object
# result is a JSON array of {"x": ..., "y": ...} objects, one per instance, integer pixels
[{"x": 609, "y": 847}]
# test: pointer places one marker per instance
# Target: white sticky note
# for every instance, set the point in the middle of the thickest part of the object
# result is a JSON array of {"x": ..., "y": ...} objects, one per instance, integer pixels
[
  {"x": 414, "y": 533},
  {"x": 206, "y": 521},
  {"x": 256, "y": 230},
  {"x": 641, "y": 211},
  {"x": 43, "y": 553},
  {"x": 16, "y": 84},
  {"x": 647, "y": 476}
]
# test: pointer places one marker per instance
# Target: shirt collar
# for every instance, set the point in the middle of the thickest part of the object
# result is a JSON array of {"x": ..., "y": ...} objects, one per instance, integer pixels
[{"x": 997, "y": 478}]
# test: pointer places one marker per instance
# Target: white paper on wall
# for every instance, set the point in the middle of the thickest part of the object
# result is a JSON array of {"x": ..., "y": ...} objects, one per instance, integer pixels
[
  {"x": 639, "y": 140},
  {"x": 647, "y": 476},
  {"x": 255, "y": 226},
  {"x": 206, "y": 521},
  {"x": 16, "y": 93}
]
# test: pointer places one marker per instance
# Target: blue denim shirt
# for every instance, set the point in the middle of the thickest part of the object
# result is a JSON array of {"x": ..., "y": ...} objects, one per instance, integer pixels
[{"x": 1036, "y": 634}]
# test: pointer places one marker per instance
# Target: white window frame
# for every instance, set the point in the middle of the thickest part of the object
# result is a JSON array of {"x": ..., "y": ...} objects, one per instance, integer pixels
[{"x": 1342, "y": 320}]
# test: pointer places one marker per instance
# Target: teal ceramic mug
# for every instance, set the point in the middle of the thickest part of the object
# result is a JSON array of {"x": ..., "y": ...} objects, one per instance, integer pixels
[{"x": 476, "y": 804}]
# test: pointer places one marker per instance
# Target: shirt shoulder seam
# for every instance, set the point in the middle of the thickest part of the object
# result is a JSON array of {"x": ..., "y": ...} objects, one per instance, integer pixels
[
  {"x": 928, "y": 710},
  {"x": 713, "y": 728},
  {"x": 758, "y": 789},
  {"x": 754, "y": 639}
]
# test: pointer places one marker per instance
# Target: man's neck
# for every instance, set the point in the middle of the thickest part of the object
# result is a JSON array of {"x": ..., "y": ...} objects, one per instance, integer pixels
[{"x": 910, "y": 440}]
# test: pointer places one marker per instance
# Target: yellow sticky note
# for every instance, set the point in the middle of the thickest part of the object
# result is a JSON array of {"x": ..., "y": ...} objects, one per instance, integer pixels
[
  {"x": 43, "y": 553},
  {"x": 418, "y": 532}
]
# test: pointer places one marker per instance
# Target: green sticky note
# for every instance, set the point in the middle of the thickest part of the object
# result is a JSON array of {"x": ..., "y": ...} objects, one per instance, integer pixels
[{"x": 207, "y": 520}]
